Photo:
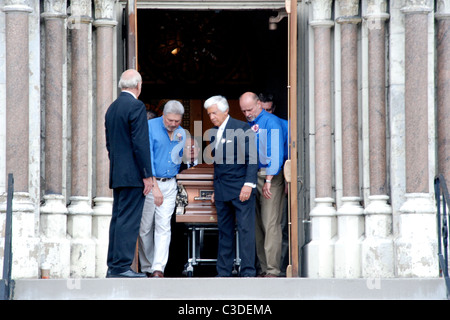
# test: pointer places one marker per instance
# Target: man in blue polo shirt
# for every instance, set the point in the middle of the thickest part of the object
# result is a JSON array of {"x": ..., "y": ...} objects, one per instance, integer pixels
[
  {"x": 167, "y": 140},
  {"x": 267, "y": 103},
  {"x": 270, "y": 146}
]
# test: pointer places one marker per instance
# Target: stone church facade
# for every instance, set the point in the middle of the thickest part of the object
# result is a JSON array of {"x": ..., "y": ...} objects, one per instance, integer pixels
[{"x": 373, "y": 113}]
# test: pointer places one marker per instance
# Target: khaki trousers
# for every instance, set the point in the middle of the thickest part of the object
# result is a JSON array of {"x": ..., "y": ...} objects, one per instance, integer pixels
[{"x": 268, "y": 224}]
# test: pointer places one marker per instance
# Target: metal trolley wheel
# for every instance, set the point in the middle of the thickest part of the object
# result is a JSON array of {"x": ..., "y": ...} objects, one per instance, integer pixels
[{"x": 196, "y": 245}]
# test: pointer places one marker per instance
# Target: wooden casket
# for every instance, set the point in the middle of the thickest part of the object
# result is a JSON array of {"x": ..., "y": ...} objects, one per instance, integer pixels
[{"x": 195, "y": 187}]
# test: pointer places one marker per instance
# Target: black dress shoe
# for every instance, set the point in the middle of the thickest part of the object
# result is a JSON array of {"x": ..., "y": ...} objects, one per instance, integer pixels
[{"x": 127, "y": 274}]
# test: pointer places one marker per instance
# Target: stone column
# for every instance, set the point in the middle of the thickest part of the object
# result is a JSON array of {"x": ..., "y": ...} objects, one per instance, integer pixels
[
  {"x": 377, "y": 247},
  {"x": 443, "y": 87},
  {"x": 323, "y": 215},
  {"x": 350, "y": 214},
  {"x": 103, "y": 200},
  {"x": 53, "y": 219},
  {"x": 17, "y": 92},
  {"x": 80, "y": 211},
  {"x": 416, "y": 246},
  {"x": 17, "y": 69}
]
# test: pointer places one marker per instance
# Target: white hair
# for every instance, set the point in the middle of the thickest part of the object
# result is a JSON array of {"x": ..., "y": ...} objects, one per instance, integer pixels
[
  {"x": 173, "y": 106},
  {"x": 220, "y": 101},
  {"x": 127, "y": 82}
]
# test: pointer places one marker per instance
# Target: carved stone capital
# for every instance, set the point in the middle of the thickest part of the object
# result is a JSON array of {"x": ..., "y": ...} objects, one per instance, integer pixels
[
  {"x": 376, "y": 10},
  {"x": 349, "y": 8},
  {"x": 442, "y": 9},
  {"x": 416, "y": 6},
  {"x": 104, "y": 9},
  {"x": 54, "y": 9},
  {"x": 349, "y": 12},
  {"x": 80, "y": 8},
  {"x": 321, "y": 10}
]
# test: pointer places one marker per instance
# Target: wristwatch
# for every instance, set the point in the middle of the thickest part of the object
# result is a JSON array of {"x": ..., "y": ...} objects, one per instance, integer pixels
[{"x": 268, "y": 181}]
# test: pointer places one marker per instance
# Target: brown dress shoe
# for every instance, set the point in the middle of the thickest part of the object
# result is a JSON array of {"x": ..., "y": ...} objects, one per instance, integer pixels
[{"x": 157, "y": 274}]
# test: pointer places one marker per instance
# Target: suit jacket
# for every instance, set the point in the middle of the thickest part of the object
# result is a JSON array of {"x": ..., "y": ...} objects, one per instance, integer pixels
[
  {"x": 235, "y": 161},
  {"x": 127, "y": 142}
]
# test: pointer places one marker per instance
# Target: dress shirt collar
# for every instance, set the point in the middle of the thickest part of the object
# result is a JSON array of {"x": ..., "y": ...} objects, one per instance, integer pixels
[
  {"x": 224, "y": 124},
  {"x": 130, "y": 93}
]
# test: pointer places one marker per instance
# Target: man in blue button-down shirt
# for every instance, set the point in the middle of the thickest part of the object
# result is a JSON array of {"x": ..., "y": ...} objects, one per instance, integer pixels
[
  {"x": 270, "y": 187},
  {"x": 167, "y": 140}
]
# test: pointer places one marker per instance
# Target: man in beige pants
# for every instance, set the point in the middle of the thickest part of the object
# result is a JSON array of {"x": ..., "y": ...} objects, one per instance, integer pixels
[{"x": 270, "y": 146}]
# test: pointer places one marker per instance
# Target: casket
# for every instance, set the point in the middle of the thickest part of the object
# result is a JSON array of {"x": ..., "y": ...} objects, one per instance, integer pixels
[{"x": 195, "y": 187}]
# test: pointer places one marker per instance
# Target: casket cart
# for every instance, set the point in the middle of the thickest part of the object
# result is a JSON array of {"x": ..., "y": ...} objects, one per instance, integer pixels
[{"x": 195, "y": 209}]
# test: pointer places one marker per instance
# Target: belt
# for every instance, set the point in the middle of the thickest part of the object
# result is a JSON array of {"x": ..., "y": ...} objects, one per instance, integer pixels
[{"x": 164, "y": 179}]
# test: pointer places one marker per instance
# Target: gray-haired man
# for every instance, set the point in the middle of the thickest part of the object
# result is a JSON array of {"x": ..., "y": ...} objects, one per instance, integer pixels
[{"x": 167, "y": 140}]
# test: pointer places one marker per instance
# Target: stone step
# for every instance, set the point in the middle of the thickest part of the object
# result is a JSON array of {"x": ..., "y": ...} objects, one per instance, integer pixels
[{"x": 230, "y": 289}]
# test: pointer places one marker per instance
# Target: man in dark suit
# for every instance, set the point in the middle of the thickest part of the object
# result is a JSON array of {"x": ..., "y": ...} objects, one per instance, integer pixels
[
  {"x": 235, "y": 177},
  {"x": 130, "y": 174}
]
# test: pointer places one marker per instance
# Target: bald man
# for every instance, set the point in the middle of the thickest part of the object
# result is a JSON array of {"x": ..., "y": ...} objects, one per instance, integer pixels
[
  {"x": 270, "y": 186},
  {"x": 130, "y": 175}
]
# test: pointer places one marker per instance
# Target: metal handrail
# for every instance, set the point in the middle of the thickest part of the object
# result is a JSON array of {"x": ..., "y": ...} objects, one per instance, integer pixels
[
  {"x": 6, "y": 283},
  {"x": 442, "y": 227}
]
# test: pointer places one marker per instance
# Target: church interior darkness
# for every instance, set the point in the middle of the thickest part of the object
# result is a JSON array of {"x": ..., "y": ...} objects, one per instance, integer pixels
[{"x": 193, "y": 55}]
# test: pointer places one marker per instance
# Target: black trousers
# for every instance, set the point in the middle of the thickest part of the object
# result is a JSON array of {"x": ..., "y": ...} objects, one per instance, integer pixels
[
  {"x": 124, "y": 228},
  {"x": 228, "y": 214}
]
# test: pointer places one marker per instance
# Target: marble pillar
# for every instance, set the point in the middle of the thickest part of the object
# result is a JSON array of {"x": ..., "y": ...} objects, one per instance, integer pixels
[
  {"x": 350, "y": 214},
  {"x": 55, "y": 248},
  {"x": 17, "y": 66},
  {"x": 416, "y": 245},
  {"x": 80, "y": 212},
  {"x": 17, "y": 93},
  {"x": 103, "y": 200},
  {"x": 377, "y": 247},
  {"x": 443, "y": 87},
  {"x": 323, "y": 215}
]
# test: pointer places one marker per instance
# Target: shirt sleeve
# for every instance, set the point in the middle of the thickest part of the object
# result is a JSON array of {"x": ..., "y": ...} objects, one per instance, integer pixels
[
  {"x": 274, "y": 146},
  {"x": 151, "y": 144}
]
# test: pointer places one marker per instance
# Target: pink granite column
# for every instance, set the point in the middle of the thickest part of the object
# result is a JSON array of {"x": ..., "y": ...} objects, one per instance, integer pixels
[
  {"x": 416, "y": 245},
  {"x": 443, "y": 94},
  {"x": 416, "y": 102},
  {"x": 377, "y": 107},
  {"x": 80, "y": 208},
  {"x": 17, "y": 94},
  {"x": 53, "y": 212},
  {"x": 350, "y": 214},
  {"x": 322, "y": 101},
  {"x": 80, "y": 104},
  {"x": 349, "y": 106},
  {"x": 103, "y": 200},
  {"x": 105, "y": 32},
  {"x": 320, "y": 258},
  {"x": 377, "y": 248},
  {"x": 54, "y": 60}
]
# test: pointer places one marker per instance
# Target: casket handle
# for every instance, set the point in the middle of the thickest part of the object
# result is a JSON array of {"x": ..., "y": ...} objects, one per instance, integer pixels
[{"x": 202, "y": 198}]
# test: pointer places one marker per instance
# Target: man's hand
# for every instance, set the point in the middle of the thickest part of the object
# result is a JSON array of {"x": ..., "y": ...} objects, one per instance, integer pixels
[
  {"x": 245, "y": 194},
  {"x": 212, "y": 197},
  {"x": 266, "y": 188},
  {"x": 148, "y": 185},
  {"x": 157, "y": 194}
]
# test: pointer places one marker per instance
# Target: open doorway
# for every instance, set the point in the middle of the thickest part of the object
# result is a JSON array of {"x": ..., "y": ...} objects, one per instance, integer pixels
[{"x": 193, "y": 55}]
